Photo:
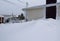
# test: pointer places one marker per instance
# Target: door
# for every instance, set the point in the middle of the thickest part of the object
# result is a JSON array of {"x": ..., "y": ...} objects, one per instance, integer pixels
[
  {"x": 0, "y": 20},
  {"x": 51, "y": 12}
]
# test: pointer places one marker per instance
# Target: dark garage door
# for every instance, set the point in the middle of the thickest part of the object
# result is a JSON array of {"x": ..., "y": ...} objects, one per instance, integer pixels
[{"x": 51, "y": 12}]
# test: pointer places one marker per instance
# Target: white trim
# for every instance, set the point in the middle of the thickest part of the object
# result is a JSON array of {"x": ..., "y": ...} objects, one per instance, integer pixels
[
  {"x": 44, "y": 12},
  {"x": 57, "y": 11},
  {"x": 48, "y": 5}
]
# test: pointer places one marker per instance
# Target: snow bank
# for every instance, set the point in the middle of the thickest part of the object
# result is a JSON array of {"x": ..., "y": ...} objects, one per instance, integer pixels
[{"x": 39, "y": 30}]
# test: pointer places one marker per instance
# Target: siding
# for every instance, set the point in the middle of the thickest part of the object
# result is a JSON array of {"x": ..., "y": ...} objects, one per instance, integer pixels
[
  {"x": 59, "y": 11},
  {"x": 35, "y": 14}
]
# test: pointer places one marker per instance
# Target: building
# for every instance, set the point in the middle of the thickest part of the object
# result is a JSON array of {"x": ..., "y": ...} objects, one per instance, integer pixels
[
  {"x": 4, "y": 17},
  {"x": 1, "y": 19},
  {"x": 50, "y": 10}
]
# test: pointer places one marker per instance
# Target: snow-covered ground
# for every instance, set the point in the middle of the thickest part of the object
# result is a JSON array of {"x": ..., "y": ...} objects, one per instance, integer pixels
[{"x": 38, "y": 30}]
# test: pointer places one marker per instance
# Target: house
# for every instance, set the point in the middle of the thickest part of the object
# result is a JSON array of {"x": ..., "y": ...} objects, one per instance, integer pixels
[
  {"x": 1, "y": 19},
  {"x": 50, "y": 10},
  {"x": 5, "y": 17}
]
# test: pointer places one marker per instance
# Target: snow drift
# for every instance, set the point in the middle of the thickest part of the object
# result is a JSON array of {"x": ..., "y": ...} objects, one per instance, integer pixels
[{"x": 38, "y": 30}]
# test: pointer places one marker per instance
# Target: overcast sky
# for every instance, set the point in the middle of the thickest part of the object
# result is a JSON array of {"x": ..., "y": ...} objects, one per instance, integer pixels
[{"x": 15, "y": 6}]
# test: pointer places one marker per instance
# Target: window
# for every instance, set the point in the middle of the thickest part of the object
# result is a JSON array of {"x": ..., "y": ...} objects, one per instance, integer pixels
[{"x": 50, "y": 1}]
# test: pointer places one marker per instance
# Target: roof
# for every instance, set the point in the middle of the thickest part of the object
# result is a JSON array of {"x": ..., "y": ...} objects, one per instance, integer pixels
[
  {"x": 1, "y": 16},
  {"x": 34, "y": 7},
  {"x": 41, "y": 6}
]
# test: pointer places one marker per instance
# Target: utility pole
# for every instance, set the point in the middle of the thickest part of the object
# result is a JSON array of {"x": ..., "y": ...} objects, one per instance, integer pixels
[
  {"x": 26, "y": 7},
  {"x": 26, "y": 4},
  {"x": 26, "y": 10}
]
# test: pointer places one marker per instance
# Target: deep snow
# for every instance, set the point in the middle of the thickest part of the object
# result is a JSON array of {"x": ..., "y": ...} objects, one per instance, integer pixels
[{"x": 38, "y": 30}]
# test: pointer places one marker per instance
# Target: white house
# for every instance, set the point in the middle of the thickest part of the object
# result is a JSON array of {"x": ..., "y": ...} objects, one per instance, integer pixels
[
  {"x": 38, "y": 12},
  {"x": 4, "y": 17}
]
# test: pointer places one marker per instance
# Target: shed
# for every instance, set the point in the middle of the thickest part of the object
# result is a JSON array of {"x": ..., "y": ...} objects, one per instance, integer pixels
[{"x": 41, "y": 11}]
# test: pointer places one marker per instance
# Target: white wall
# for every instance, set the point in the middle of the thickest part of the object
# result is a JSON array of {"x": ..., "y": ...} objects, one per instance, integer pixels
[
  {"x": 58, "y": 15},
  {"x": 34, "y": 14}
]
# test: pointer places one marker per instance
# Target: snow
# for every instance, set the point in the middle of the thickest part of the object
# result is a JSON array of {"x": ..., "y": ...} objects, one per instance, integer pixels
[
  {"x": 1, "y": 16},
  {"x": 36, "y": 30}
]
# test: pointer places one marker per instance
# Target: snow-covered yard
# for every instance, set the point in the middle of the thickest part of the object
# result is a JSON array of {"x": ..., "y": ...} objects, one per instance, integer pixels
[{"x": 38, "y": 30}]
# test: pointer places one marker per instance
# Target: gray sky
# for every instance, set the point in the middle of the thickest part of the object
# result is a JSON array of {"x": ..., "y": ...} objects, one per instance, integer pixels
[{"x": 15, "y": 6}]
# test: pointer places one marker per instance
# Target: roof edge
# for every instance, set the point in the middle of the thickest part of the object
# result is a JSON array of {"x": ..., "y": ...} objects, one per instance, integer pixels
[{"x": 41, "y": 6}]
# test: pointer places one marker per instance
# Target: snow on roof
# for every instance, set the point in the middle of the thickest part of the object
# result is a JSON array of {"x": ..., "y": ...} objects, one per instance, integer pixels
[
  {"x": 34, "y": 7},
  {"x": 41, "y": 6},
  {"x": 1, "y": 16}
]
